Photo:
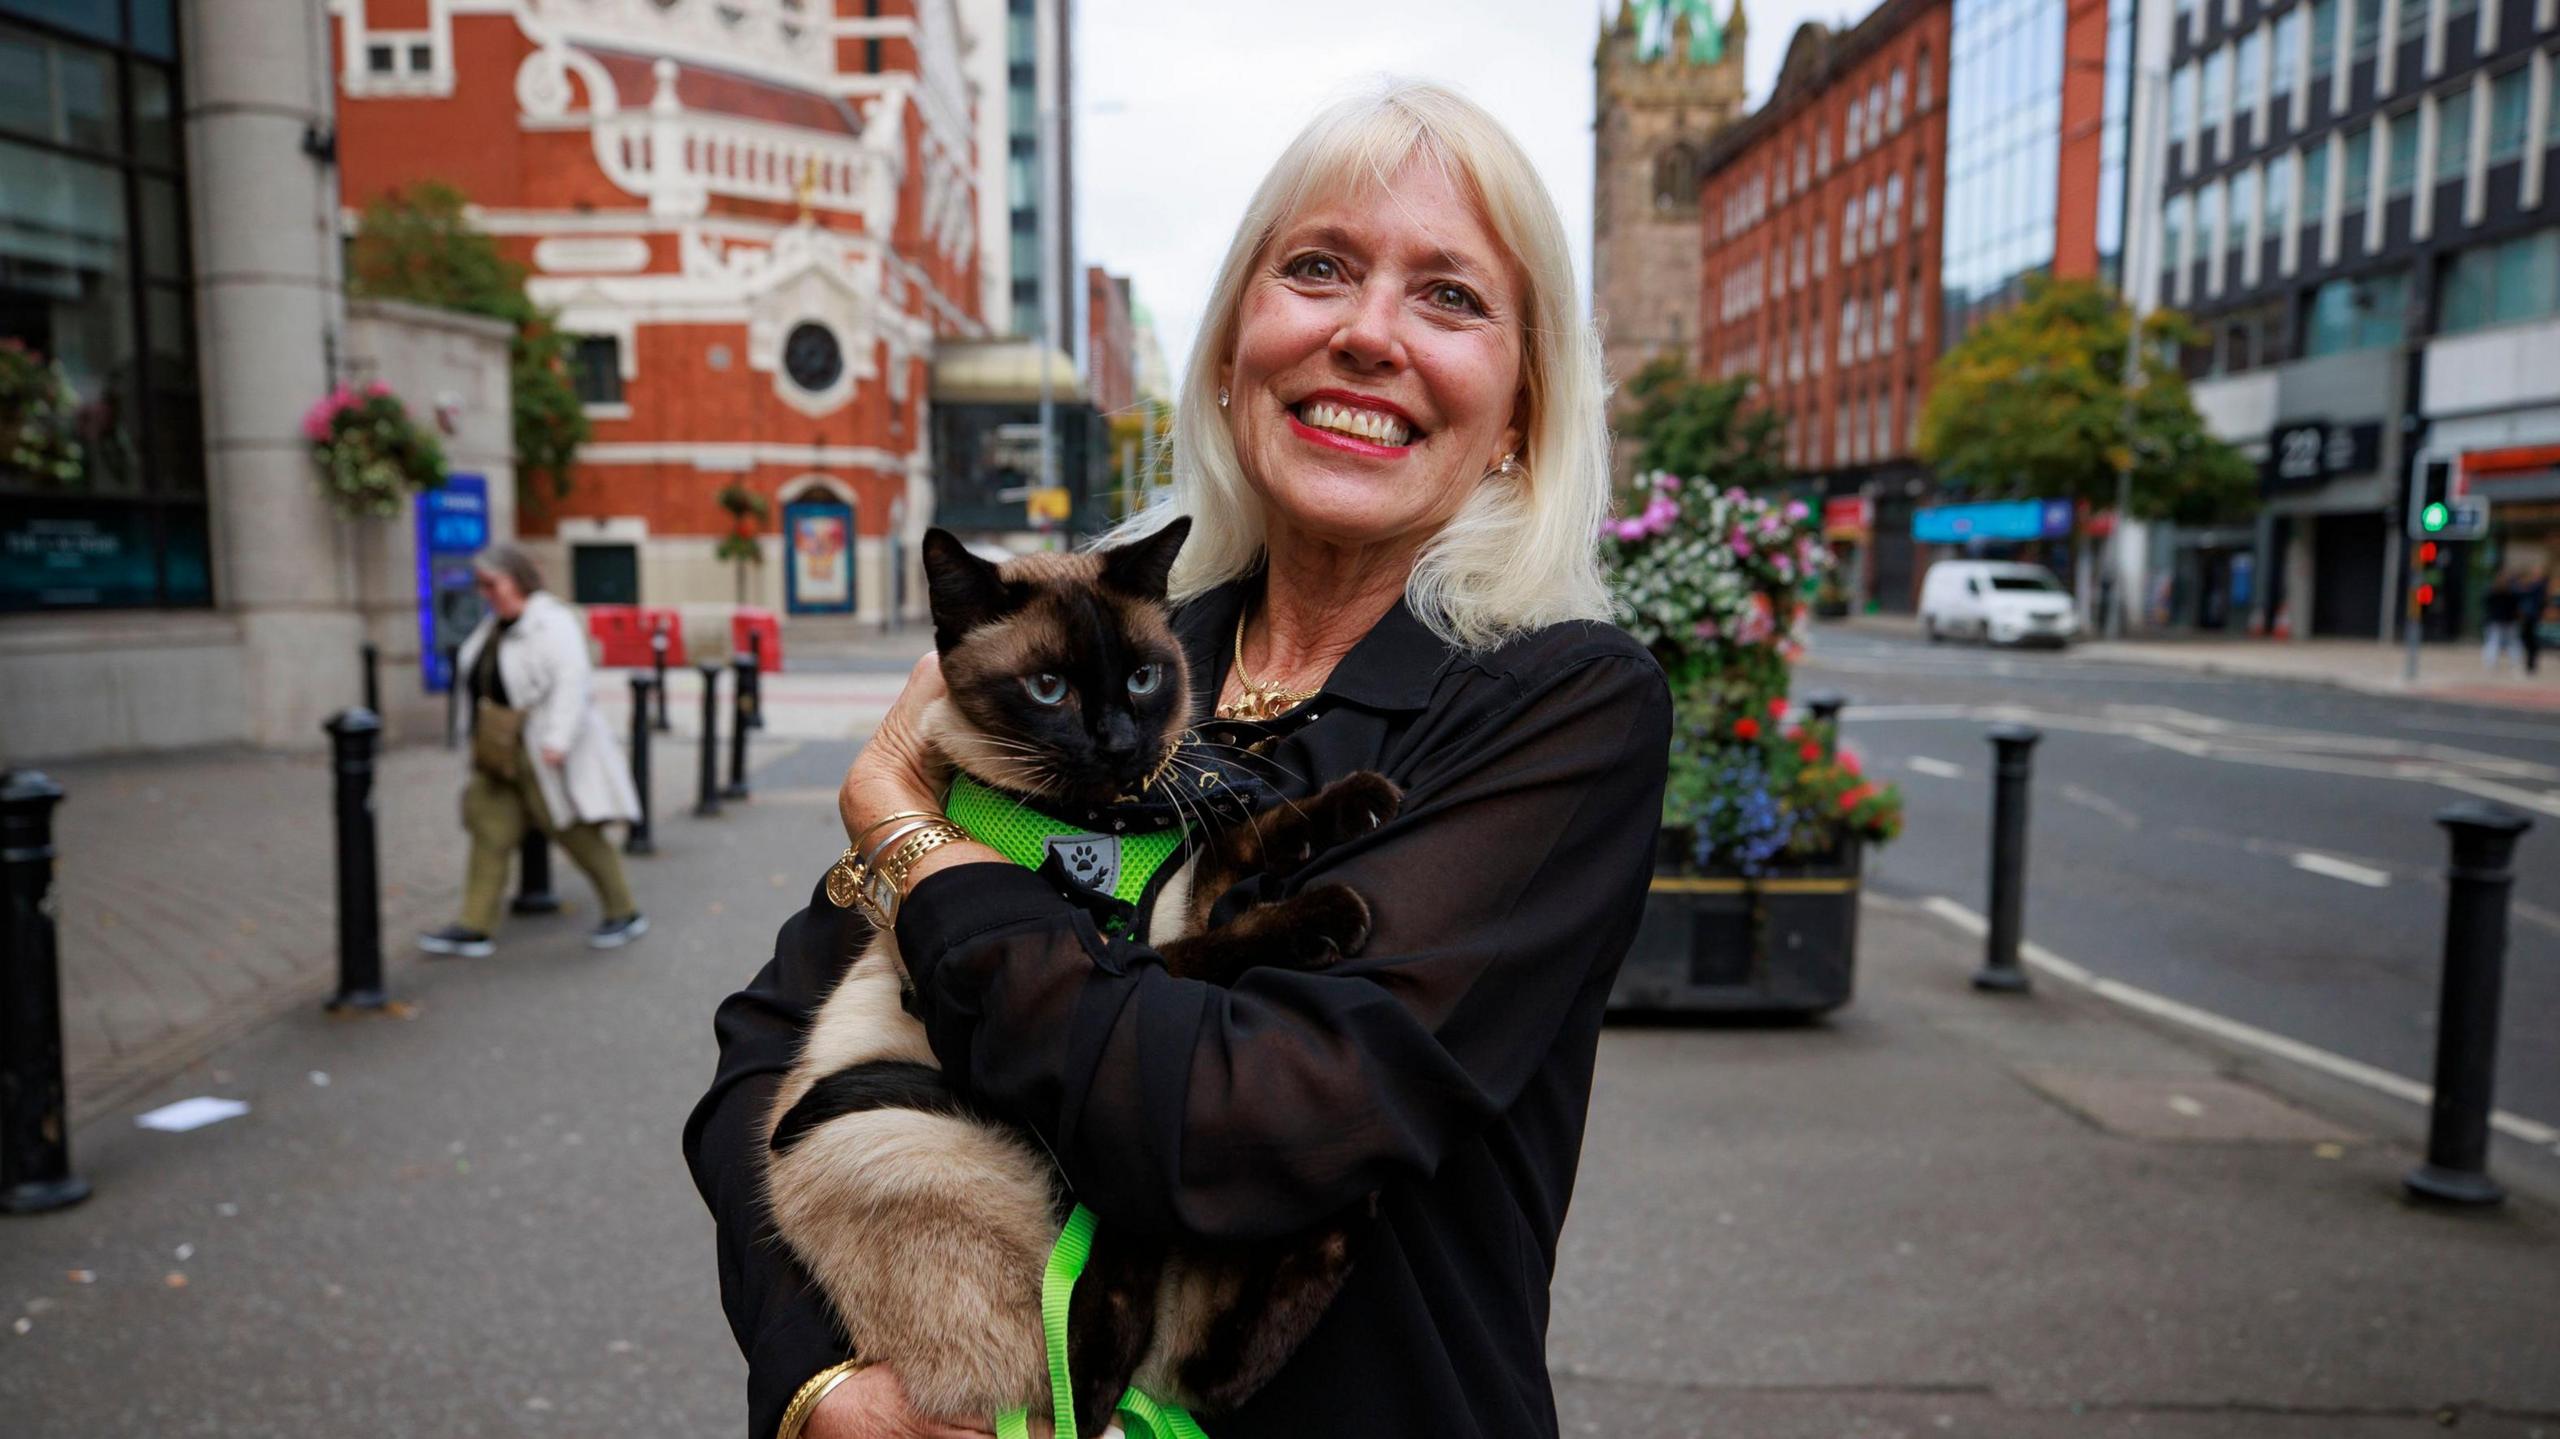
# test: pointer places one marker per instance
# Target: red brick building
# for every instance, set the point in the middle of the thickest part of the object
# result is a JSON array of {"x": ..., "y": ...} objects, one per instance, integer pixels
[
  {"x": 1821, "y": 228},
  {"x": 1110, "y": 352},
  {"x": 759, "y": 215}
]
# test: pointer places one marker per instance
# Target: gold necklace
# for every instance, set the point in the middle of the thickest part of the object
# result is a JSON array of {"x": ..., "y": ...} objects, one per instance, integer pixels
[{"x": 1259, "y": 701}]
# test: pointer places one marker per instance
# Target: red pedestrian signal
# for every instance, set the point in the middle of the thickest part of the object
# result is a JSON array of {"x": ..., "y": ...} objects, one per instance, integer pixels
[
  {"x": 2427, "y": 553},
  {"x": 2426, "y": 595}
]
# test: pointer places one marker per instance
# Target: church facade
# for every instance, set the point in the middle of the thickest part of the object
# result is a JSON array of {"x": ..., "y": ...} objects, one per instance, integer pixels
[
  {"x": 1667, "y": 78},
  {"x": 758, "y": 217}
]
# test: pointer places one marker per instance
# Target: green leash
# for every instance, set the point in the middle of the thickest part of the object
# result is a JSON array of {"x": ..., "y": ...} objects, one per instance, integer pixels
[{"x": 1143, "y": 1415}]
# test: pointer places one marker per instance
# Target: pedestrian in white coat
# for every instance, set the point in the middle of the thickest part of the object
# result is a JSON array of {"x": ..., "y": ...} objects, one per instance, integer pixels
[{"x": 541, "y": 754}]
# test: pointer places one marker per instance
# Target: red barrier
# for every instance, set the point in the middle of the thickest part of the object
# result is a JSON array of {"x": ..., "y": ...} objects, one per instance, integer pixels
[
  {"x": 617, "y": 630},
  {"x": 653, "y": 620},
  {"x": 764, "y": 623}
]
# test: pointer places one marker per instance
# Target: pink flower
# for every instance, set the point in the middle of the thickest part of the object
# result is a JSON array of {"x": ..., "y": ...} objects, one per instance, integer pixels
[
  {"x": 1704, "y": 629},
  {"x": 377, "y": 389},
  {"x": 1666, "y": 483},
  {"x": 1630, "y": 529},
  {"x": 1796, "y": 510},
  {"x": 1741, "y": 547}
]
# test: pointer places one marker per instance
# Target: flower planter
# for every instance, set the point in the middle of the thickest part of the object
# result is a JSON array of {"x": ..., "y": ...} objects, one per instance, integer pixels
[{"x": 1778, "y": 943}]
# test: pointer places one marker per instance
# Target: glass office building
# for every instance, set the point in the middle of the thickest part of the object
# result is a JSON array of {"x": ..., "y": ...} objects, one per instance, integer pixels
[
  {"x": 102, "y": 478},
  {"x": 2037, "y": 126},
  {"x": 2004, "y": 143}
]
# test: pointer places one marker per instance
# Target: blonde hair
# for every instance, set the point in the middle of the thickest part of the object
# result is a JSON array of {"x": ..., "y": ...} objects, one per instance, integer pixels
[{"x": 1522, "y": 551}]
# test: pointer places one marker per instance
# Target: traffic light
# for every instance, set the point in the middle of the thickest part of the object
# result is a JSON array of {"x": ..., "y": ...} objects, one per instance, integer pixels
[
  {"x": 2435, "y": 497},
  {"x": 2426, "y": 554}
]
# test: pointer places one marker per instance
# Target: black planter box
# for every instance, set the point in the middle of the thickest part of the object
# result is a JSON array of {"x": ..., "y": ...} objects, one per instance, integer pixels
[{"x": 1781, "y": 943}]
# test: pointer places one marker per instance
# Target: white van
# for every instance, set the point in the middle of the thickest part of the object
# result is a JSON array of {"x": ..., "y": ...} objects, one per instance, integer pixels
[{"x": 2003, "y": 603}]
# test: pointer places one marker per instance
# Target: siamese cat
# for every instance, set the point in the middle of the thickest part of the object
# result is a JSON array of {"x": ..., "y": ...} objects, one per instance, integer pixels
[{"x": 928, "y": 1225}]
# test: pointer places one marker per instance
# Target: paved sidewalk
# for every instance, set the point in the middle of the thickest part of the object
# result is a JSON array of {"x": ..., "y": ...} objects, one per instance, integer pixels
[
  {"x": 1938, "y": 1213},
  {"x": 197, "y": 893},
  {"x": 2446, "y": 671}
]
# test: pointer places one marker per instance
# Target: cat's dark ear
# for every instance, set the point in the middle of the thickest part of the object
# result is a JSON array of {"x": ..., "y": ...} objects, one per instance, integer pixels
[
  {"x": 1141, "y": 567},
  {"x": 965, "y": 591}
]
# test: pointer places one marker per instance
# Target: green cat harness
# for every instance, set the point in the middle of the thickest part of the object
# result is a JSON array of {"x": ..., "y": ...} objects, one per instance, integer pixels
[
  {"x": 1142, "y": 1416},
  {"x": 1117, "y": 865}
]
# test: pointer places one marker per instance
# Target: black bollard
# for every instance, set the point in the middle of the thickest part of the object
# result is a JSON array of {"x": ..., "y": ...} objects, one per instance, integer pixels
[
  {"x": 352, "y": 734},
  {"x": 2478, "y": 885},
  {"x": 753, "y": 674},
  {"x": 35, "y": 1127},
  {"x": 453, "y": 688},
  {"x": 533, "y": 875},
  {"x": 373, "y": 676},
  {"x": 2014, "y": 746},
  {"x": 658, "y": 658},
  {"x": 1826, "y": 706},
  {"x": 742, "y": 710},
  {"x": 637, "y": 842},
  {"x": 706, "y": 801}
]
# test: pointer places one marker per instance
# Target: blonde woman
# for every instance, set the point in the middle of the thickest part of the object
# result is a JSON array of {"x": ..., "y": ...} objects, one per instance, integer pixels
[
  {"x": 541, "y": 755},
  {"x": 1392, "y": 445}
]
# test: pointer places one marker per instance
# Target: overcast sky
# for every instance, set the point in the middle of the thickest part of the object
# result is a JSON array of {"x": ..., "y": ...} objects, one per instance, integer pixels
[{"x": 1179, "y": 109}]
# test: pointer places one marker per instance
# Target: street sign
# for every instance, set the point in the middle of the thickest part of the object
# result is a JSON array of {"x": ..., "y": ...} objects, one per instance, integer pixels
[
  {"x": 2468, "y": 520},
  {"x": 2304, "y": 454}
]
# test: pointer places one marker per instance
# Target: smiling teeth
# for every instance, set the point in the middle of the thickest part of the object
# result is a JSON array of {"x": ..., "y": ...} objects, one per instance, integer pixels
[{"x": 1375, "y": 426}]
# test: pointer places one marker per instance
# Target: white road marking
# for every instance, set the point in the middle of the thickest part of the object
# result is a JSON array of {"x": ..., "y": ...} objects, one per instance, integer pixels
[
  {"x": 2337, "y": 1066},
  {"x": 1938, "y": 767},
  {"x": 2335, "y": 868},
  {"x": 2488, "y": 776},
  {"x": 2091, "y": 799}
]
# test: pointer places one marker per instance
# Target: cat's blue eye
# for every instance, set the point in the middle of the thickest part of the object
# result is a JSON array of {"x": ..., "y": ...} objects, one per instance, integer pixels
[
  {"x": 1144, "y": 679},
  {"x": 1048, "y": 689}
]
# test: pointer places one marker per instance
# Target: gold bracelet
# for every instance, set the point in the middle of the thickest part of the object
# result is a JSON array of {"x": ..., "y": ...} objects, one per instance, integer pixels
[
  {"x": 805, "y": 1403},
  {"x": 889, "y": 842},
  {"x": 876, "y": 825},
  {"x": 884, "y": 886},
  {"x": 853, "y": 869}
]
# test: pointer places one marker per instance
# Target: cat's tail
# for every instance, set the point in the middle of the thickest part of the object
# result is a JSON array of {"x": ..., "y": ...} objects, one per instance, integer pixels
[{"x": 928, "y": 1229}]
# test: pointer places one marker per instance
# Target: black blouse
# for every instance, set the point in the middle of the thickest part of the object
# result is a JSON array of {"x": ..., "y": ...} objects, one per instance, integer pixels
[{"x": 1446, "y": 1068}]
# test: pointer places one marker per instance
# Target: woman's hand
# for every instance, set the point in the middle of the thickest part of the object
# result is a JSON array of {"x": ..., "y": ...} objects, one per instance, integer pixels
[
  {"x": 554, "y": 757},
  {"x": 897, "y": 770},
  {"x": 872, "y": 1404}
]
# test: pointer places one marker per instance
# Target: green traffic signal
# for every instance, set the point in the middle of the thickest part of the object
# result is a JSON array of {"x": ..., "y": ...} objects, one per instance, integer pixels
[{"x": 2435, "y": 517}]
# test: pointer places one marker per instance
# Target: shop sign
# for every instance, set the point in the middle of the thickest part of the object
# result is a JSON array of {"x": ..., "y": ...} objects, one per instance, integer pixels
[
  {"x": 2304, "y": 454},
  {"x": 1993, "y": 521},
  {"x": 1848, "y": 517},
  {"x": 84, "y": 554}
]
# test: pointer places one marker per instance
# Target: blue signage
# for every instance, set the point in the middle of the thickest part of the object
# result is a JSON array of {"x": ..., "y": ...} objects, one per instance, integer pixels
[
  {"x": 1996, "y": 520},
  {"x": 453, "y": 528}
]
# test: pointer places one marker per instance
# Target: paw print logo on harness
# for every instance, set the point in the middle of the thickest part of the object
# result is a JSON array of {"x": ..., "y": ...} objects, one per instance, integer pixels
[{"x": 1091, "y": 860}]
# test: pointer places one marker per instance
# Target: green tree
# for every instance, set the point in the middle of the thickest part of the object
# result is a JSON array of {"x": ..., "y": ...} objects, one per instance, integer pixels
[
  {"x": 748, "y": 513},
  {"x": 2032, "y": 404},
  {"x": 417, "y": 245},
  {"x": 1703, "y": 429}
]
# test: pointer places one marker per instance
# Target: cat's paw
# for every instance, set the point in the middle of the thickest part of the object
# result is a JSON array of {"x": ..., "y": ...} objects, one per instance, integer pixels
[
  {"x": 1344, "y": 810},
  {"x": 1330, "y": 922}
]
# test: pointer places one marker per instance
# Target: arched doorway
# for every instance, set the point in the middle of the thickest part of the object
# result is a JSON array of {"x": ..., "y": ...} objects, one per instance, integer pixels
[{"x": 817, "y": 547}]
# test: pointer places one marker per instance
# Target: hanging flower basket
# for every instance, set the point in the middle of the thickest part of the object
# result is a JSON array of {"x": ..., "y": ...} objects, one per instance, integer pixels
[{"x": 372, "y": 455}]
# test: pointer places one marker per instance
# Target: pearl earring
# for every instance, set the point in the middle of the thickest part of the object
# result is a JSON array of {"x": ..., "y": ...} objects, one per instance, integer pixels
[{"x": 1222, "y": 397}]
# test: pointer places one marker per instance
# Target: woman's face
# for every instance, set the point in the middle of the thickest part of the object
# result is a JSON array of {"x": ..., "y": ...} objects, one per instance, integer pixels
[
  {"x": 1377, "y": 374},
  {"x": 500, "y": 592}
]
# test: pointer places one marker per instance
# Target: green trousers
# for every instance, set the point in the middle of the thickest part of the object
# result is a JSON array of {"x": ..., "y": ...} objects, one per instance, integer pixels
[{"x": 495, "y": 813}]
